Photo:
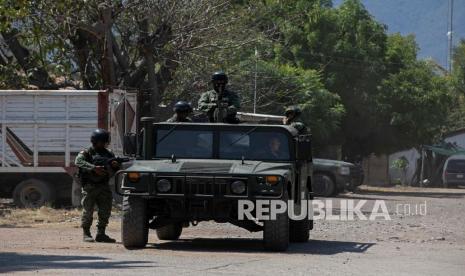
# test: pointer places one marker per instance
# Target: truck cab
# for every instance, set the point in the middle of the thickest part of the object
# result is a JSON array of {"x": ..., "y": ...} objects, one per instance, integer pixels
[{"x": 186, "y": 173}]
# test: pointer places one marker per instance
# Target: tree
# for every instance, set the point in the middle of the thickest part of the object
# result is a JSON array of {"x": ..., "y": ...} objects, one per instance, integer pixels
[
  {"x": 281, "y": 85},
  {"x": 107, "y": 44},
  {"x": 414, "y": 104},
  {"x": 458, "y": 70}
]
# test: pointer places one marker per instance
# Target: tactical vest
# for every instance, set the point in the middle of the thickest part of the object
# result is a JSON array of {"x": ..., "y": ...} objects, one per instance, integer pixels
[{"x": 97, "y": 159}]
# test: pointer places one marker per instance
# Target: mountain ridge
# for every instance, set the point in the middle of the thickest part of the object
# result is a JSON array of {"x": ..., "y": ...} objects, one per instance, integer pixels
[{"x": 426, "y": 19}]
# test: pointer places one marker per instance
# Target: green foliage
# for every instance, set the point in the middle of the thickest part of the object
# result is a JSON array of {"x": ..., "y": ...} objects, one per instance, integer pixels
[
  {"x": 416, "y": 101},
  {"x": 458, "y": 70},
  {"x": 400, "y": 163},
  {"x": 357, "y": 85},
  {"x": 11, "y": 76}
]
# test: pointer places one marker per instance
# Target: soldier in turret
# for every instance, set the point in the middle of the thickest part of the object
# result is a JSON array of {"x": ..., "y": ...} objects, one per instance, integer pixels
[{"x": 220, "y": 104}]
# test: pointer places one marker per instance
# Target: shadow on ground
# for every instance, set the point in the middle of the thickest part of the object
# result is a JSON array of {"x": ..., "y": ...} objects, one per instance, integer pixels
[
  {"x": 15, "y": 262},
  {"x": 320, "y": 247},
  {"x": 458, "y": 194}
]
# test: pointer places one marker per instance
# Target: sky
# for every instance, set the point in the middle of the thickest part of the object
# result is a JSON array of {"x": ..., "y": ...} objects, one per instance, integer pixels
[{"x": 426, "y": 19}]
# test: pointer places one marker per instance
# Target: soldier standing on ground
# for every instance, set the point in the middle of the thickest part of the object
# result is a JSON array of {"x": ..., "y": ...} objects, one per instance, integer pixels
[
  {"x": 182, "y": 110},
  {"x": 292, "y": 114},
  {"x": 220, "y": 104},
  {"x": 96, "y": 191}
]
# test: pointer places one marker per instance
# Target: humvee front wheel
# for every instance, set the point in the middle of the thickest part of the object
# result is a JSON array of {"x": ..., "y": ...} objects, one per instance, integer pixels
[
  {"x": 300, "y": 229},
  {"x": 276, "y": 232},
  {"x": 134, "y": 226},
  {"x": 169, "y": 232}
]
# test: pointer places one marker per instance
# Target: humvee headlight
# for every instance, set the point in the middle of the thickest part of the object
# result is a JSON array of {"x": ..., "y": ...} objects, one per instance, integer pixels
[
  {"x": 344, "y": 170},
  {"x": 163, "y": 185},
  {"x": 134, "y": 176},
  {"x": 272, "y": 179},
  {"x": 238, "y": 187}
]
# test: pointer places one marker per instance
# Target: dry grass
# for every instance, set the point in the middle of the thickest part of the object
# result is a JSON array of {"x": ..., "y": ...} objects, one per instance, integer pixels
[
  {"x": 12, "y": 216},
  {"x": 24, "y": 217}
]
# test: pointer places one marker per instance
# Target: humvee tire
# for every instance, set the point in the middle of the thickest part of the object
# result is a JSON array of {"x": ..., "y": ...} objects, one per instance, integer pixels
[
  {"x": 169, "y": 232},
  {"x": 299, "y": 230},
  {"x": 134, "y": 225},
  {"x": 276, "y": 232}
]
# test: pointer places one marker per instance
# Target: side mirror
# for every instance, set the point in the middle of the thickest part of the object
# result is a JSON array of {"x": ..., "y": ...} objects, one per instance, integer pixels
[
  {"x": 303, "y": 150},
  {"x": 130, "y": 144}
]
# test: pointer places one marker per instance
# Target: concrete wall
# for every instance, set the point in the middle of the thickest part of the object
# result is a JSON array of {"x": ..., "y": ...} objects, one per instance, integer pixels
[
  {"x": 411, "y": 155},
  {"x": 376, "y": 170}
]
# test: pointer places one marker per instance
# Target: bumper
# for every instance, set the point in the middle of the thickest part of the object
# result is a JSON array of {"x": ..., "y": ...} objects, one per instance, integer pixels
[
  {"x": 343, "y": 181},
  {"x": 194, "y": 185},
  {"x": 455, "y": 181}
]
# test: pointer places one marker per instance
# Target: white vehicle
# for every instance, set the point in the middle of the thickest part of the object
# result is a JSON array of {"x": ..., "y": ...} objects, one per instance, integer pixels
[{"x": 41, "y": 132}]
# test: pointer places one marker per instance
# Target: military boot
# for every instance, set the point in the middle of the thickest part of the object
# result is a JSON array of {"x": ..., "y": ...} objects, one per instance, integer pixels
[
  {"x": 102, "y": 237},
  {"x": 87, "y": 237}
]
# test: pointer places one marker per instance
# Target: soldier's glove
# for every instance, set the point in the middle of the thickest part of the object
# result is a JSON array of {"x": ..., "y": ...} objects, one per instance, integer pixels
[
  {"x": 211, "y": 106},
  {"x": 100, "y": 170},
  {"x": 115, "y": 165}
]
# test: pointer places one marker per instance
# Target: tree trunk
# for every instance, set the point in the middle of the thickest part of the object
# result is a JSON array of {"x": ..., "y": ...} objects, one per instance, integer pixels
[
  {"x": 108, "y": 70},
  {"x": 37, "y": 75}
]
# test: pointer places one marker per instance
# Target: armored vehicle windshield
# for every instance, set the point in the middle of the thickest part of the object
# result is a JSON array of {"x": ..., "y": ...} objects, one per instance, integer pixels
[{"x": 202, "y": 142}]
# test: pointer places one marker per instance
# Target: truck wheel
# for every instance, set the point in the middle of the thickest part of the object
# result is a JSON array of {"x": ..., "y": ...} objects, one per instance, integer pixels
[
  {"x": 134, "y": 225},
  {"x": 276, "y": 232},
  {"x": 33, "y": 193},
  {"x": 324, "y": 185},
  {"x": 169, "y": 232}
]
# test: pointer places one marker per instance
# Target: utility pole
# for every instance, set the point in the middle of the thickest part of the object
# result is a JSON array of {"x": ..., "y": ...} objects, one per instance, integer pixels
[
  {"x": 450, "y": 33},
  {"x": 255, "y": 83}
]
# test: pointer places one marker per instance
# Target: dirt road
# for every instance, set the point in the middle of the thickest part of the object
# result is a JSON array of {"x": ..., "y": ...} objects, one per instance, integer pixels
[{"x": 409, "y": 244}]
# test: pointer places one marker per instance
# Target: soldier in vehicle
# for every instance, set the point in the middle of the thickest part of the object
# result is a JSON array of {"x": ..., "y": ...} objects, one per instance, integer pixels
[
  {"x": 292, "y": 114},
  {"x": 94, "y": 174},
  {"x": 220, "y": 104},
  {"x": 182, "y": 110},
  {"x": 273, "y": 150}
]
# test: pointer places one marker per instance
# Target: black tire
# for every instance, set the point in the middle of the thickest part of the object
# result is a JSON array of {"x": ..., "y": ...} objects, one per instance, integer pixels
[
  {"x": 351, "y": 187},
  {"x": 134, "y": 225},
  {"x": 299, "y": 230},
  {"x": 276, "y": 232},
  {"x": 33, "y": 193},
  {"x": 169, "y": 232},
  {"x": 324, "y": 185}
]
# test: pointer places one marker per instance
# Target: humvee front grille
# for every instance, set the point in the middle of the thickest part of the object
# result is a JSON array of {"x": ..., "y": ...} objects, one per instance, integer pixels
[
  {"x": 199, "y": 185},
  {"x": 195, "y": 167}
]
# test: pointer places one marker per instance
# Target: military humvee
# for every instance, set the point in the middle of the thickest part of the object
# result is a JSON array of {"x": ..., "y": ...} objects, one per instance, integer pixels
[{"x": 186, "y": 173}]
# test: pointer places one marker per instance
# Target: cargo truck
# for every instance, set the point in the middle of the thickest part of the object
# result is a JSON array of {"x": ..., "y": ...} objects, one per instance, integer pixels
[{"x": 42, "y": 131}]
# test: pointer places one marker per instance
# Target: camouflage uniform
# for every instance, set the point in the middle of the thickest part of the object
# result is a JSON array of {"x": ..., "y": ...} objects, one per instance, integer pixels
[
  {"x": 293, "y": 122},
  {"x": 175, "y": 119},
  {"x": 95, "y": 189},
  {"x": 208, "y": 102},
  {"x": 301, "y": 128}
]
